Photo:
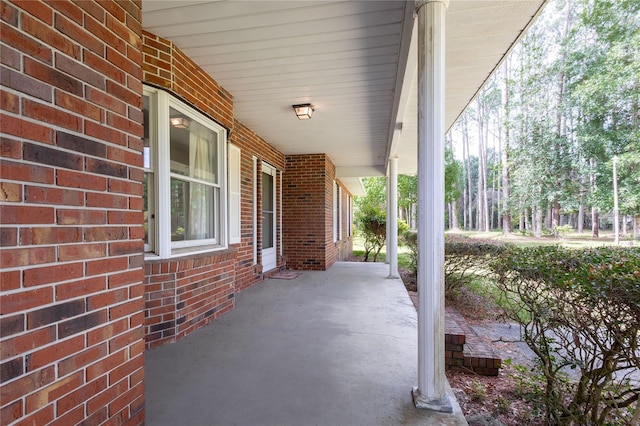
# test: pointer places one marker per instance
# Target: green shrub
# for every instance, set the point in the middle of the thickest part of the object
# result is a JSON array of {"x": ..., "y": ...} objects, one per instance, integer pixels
[
  {"x": 580, "y": 310},
  {"x": 371, "y": 222},
  {"x": 563, "y": 230},
  {"x": 403, "y": 228},
  {"x": 409, "y": 238},
  {"x": 464, "y": 258}
]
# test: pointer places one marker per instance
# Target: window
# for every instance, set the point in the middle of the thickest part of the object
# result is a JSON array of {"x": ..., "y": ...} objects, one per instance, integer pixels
[
  {"x": 184, "y": 185},
  {"x": 149, "y": 167}
]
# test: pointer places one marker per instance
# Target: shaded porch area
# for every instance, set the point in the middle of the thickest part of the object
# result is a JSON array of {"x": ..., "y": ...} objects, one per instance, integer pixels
[{"x": 335, "y": 347}]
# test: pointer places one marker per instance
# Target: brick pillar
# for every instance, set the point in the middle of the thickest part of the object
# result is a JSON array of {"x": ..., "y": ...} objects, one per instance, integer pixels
[
  {"x": 71, "y": 302},
  {"x": 308, "y": 212}
]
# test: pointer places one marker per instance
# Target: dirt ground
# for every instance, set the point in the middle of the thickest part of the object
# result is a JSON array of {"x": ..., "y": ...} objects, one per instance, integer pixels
[
  {"x": 497, "y": 400},
  {"x": 490, "y": 401}
]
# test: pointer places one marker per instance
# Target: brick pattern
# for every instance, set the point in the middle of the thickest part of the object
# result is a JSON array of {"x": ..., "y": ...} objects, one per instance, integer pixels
[
  {"x": 182, "y": 295},
  {"x": 166, "y": 66},
  {"x": 465, "y": 349},
  {"x": 168, "y": 316},
  {"x": 306, "y": 207},
  {"x": 331, "y": 248},
  {"x": 251, "y": 145},
  {"x": 308, "y": 213},
  {"x": 344, "y": 245},
  {"x": 70, "y": 214}
]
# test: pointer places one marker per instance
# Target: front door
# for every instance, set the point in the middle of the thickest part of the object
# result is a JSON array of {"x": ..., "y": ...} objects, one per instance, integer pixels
[{"x": 268, "y": 217}]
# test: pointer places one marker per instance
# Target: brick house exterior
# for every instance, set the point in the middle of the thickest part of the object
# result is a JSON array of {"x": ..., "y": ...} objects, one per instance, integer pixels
[
  {"x": 311, "y": 241},
  {"x": 80, "y": 301}
]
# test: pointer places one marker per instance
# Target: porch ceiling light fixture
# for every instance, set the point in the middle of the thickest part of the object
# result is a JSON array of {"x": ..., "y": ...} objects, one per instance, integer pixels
[
  {"x": 303, "y": 111},
  {"x": 180, "y": 122}
]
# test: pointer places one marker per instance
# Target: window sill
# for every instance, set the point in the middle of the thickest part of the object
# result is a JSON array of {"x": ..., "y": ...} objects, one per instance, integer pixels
[{"x": 189, "y": 253}]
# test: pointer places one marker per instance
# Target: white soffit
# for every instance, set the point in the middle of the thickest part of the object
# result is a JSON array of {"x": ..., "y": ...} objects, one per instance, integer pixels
[{"x": 344, "y": 57}]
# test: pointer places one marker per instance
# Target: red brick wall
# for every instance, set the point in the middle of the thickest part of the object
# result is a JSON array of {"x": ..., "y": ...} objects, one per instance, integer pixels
[
  {"x": 308, "y": 214},
  {"x": 71, "y": 305},
  {"x": 220, "y": 274},
  {"x": 185, "y": 294},
  {"x": 331, "y": 247},
  {"x": 164, "y": 65},
  {"x": 251, "y": 145},
  {"x": 305, "y": 207},
  {"x": 345, "y": 245}
]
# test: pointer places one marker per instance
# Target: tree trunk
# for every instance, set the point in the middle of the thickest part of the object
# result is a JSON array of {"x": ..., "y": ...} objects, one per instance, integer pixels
[
  {"x": 555, "y": 216},
  {"x": 636, "y": 228},
  {"x": 479, "y": 212},
  {"x": 625, "y": 231},
  {"x": 547, "y": 218},
  {"x": 521, "y": 226},
  {"x": 492, "y": 208},
  {"x": 414, "y": 218},
  {"x": 506, "y": 214},
  {"x": 581, "y": 207},
  {"x": 465, "y": 144},
  {"x": 538, "y": 223},
  {"x": 595, "y": 233},
  {"x": 453, "y": 216},
  {"x": 464, "y": 206},
  {"x": 483, "y": 205},
  {"x": 466, "y": 179}
]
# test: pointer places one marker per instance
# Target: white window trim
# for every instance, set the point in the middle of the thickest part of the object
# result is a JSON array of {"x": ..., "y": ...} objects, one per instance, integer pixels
[
  {"x": 235, "y": 197},
  {"x": 271, "y": 170},
  {"x": 152, "y": 202},
  {"x": 280, "y": 215},
  {"x": 339, "y": 198},
  {"x": 255, "y": 209},
  {"x": 163, "y": 246},
  {"x": 335, "y": 213}
]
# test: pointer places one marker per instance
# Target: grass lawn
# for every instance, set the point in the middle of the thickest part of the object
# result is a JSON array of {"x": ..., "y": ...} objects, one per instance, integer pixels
[
  {"x": 570, "y": 240},
  {"x": 358, "y": 251}
]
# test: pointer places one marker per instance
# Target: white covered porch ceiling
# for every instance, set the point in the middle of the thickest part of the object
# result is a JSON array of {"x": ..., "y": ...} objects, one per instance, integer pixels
[{"x": 347, "y": 58}]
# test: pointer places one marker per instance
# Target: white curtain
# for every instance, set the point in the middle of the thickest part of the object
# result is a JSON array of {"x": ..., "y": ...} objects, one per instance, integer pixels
[{"x": 201, "y": 168}]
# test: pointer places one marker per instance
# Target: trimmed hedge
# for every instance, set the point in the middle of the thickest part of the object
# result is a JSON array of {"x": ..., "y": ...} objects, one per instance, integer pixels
[
  {"x": 579, "y": 310},
  {"x": 464, "y": 257}
]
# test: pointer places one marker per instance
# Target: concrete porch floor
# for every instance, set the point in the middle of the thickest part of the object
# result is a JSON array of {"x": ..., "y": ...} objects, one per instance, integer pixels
[{"x": 337, "y": 347}]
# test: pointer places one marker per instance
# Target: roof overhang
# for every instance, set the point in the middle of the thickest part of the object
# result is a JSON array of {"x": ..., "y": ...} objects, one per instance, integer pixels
[{"x": 355, "y": 61}]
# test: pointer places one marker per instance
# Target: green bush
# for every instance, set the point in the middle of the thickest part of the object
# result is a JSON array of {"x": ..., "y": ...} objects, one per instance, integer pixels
[
  {"x": 563, "y": 230},
  {"x": 579, "y": 310},
  {"x": 371, "y": 222},
  {"x": 409, "y": 238},
  {"x": 464, "y": 258}
]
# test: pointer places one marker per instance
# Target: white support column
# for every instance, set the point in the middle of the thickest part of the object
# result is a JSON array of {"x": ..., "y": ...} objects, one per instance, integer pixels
[
  {"x": 431, "y": 390},
  {"x": 387, "y": 237},
  {"x": 392, "y": 218}
]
